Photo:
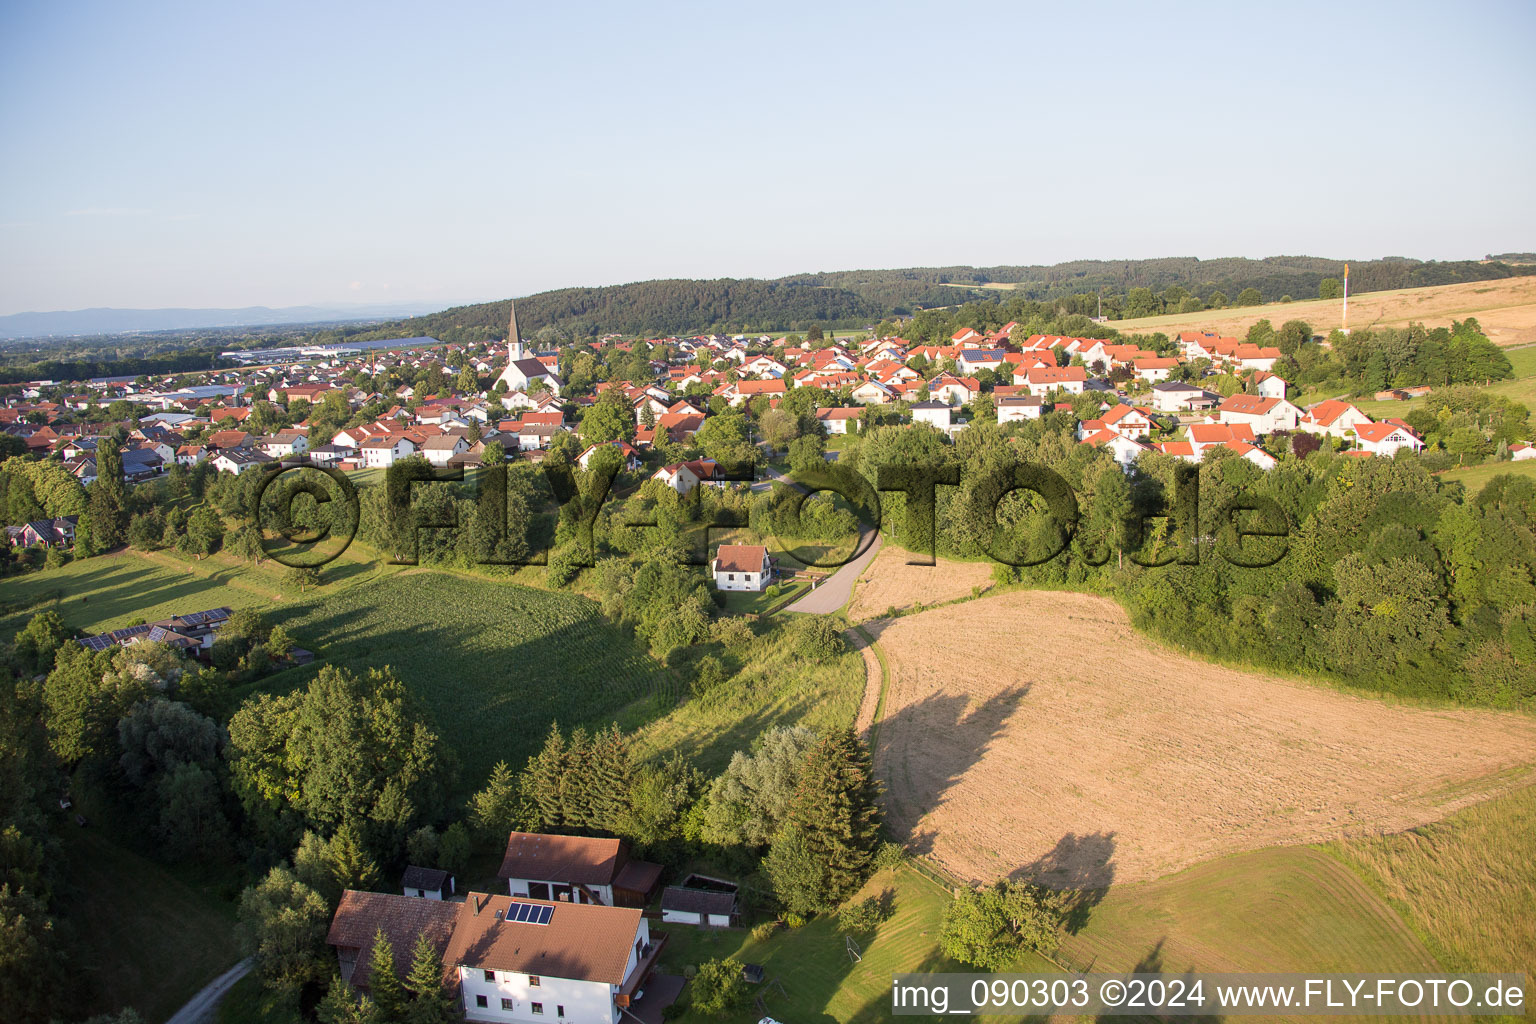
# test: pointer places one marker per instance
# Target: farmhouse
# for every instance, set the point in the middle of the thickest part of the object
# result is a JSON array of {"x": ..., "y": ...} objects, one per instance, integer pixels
[
  {"x": 360, "y": 916},
  {"x": 576, "y": 869},
  {"x": 741, "y": 567}
]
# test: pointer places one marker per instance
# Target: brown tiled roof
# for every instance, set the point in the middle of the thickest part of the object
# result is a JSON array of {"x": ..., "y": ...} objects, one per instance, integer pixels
[
  {"x": 697, "y": 901},
  {"x": 580, "y": 859},
  {"x": 741, "y": 557},
  {"x": 582, "y": 941},
  {"x": 361, "y": 915},
  {"x": 637, "y": 876}
]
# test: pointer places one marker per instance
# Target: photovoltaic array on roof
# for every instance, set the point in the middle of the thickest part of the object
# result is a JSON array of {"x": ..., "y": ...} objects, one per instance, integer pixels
[
  {"x": 529, "y": 913},
  {"x": 96, "y": 643}
]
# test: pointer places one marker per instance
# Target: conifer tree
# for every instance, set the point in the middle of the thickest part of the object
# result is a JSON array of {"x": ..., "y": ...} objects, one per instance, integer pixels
[
  {"x": 350, "y": 864},
  {"x": 494, "y": 810},
  {"x": 544, "y": 774},
  {"x": 383, "y": 983},
  {"x": 825, "y": 849},
  {"x": 430, "y": 1002}
]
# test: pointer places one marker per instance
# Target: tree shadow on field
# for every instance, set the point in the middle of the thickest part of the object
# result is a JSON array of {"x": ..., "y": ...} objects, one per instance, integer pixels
[
  {"x": 1081, "y": 867},
  {"x": 925, "y": 748},
  {"x": 1151, "y": 963}
]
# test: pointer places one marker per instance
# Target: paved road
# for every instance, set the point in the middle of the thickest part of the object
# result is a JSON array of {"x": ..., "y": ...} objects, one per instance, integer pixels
[
  {"x": 201, "y": 1006},
  {"x": 834, "y": 593}
]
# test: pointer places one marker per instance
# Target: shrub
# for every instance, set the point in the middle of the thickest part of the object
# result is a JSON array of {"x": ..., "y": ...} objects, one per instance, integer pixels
[
  {"x": 763, "y": 932},
  {"x": 709, "y": 674},
  {"x": 815, "y": 636},
  {"x": 733, "y": 633},
  {"x": 794, "y": 920},
  {"x": 889, "y": 855},
  {"x": 718, "y": 986}
]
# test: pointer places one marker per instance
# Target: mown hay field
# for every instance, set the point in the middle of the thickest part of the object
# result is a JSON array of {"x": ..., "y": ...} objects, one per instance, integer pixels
[
  {"x": 890, "y": 583},
  {"x": 1047, "y": 738},
  {"x": 1506, "y": 310}
]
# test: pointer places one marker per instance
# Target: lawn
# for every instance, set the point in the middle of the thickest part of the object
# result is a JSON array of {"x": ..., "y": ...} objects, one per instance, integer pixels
[
  {"x": 1475, "y": 478},
  {"x": 494, "y": 662},
  {"x": 143, "y": 929},
  {"x": 756, "y": 602},
  {"x": 821, "y": 982},
  {"x": 1467, "y": 884},
  {"x": 110, "y": 592}
]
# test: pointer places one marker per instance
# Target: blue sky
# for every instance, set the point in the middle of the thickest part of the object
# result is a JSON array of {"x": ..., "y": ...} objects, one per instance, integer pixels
[{"x": 272, "y": 154}]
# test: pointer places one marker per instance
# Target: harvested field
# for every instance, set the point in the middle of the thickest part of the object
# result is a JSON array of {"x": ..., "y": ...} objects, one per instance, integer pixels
[
  {"x": 1049, "y": 739},
  {"x": 890, "y": 582},
  {"x": 1506, "y": 310}
]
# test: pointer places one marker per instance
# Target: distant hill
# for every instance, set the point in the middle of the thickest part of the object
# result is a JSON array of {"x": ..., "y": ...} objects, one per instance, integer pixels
[
  {"x": 853, "y": 298},
  {"x": 79, "y": 322}
]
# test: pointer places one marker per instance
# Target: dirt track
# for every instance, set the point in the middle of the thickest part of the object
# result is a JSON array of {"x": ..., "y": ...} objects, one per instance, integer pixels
[{"x": 1045, "y": 737}]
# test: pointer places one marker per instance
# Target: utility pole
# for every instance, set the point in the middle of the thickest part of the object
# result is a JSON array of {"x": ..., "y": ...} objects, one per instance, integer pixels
[{"x": 1345, "y": 327}]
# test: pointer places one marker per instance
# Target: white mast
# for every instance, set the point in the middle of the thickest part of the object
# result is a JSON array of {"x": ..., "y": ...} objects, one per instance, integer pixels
[{"x": 1345, "y": 328}]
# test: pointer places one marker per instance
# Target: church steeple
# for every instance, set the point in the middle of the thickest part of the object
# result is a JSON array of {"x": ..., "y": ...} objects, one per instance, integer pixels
[{"x": 514, "y": 340}]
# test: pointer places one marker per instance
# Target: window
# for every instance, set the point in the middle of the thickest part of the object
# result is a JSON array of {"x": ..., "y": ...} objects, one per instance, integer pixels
[
  {"x": 490, "y": 976},
  {"x": 731, "y": 576},
  {"x": 560, "y": 1011},
  {"x": 533, "y": 981},
  {"x": 480, "y": 1001},
  {"x": 506, "y": 1004},
  {"x": 538, "y": 1008}
]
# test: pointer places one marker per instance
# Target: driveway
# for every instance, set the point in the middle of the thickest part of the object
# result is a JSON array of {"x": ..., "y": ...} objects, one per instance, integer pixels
[
  {"x": 832, "y": 594},
  {"x": 201, "y": 1006}
]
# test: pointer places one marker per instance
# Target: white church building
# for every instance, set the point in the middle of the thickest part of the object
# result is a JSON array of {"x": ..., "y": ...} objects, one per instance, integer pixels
[{"x": 522, "y": 368}]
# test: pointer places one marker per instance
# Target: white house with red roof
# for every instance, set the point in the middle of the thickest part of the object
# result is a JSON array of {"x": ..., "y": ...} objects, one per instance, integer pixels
[
  {"x": 1386, "y": 437},
  {"x": 1042, "y": 380},
  {"x": 1156, "y": 369},
  {"x": 1332, "y": 418},
  {"x": 741, "y": 567},
  {"x": 1264, "y": 415},
  {"x": 1125, "y": 449}
]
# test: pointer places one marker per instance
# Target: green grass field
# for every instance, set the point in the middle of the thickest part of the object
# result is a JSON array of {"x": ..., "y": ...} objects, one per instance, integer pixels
[
  {"x": 149, "y": 937},
  {"x": 1474, "y": 478},
  {"x": 1467, "y": 884},
  {"x": 821, "y": 982},
  {"x": 776, "y": 687},
  {"x": 1285, "y": 909}
]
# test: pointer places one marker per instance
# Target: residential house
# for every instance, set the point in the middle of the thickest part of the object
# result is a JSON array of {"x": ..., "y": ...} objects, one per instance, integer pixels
[
  {"x": 935, "y": 414},
  {"x": 1386, "y": 437},
  {"x": 442, "y": 447},
  {"x": 683, "y": 477},
  {"x": 840, "y": 421},
  {"x": 1333, "y": 418},
  {"x": 1042, "y": 380},
  {"x": 239, "y": 460},
  {"x": 525, "y": 960},
  {"x": 383, "y": 452},
  {"x": 576, "y": 869},
  {"x": 361, "y": 916},
  {"x": 631, "y": 457},
  {"x": 1264, "y": 415},
  {"x": 1156, "y": 369},
  {"x": 1018, "y": 407},
  {"x": 1180, "y": 396},
  {"x": 741, "y": 567}
]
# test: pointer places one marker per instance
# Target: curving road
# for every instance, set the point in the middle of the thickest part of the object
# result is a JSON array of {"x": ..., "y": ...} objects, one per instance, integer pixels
[
  {"x": 838, "y": 588},
  {"x": 200, "y": 1007}
]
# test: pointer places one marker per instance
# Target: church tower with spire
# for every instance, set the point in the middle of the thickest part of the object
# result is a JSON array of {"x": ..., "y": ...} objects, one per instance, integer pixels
[{"x": 514, "y": 339}]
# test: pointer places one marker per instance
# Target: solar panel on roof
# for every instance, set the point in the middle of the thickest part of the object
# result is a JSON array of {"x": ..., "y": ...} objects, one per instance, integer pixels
[
  {"x": 523, "y": 910},
  {"x": 545, "y": 913}
]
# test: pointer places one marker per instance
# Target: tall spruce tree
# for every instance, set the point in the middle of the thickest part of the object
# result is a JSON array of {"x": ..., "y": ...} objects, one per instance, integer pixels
[
  {"x": 383, "y": 983},
  {"x": 108, "y": 508},
  {"x": 430, "y": 1002},
  {"x": 825, "y": 849},
  {"x": 545, "y": 775}
]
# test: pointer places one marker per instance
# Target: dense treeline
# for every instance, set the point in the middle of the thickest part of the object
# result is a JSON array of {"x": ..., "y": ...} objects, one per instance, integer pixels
[{"x": 1389, "y": 579}]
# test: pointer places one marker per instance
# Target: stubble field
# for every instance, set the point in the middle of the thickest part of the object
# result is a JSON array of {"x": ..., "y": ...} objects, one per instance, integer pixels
[
  {"x": 1505, "y": 309},
  {"x": 1046, "y": 738},
  {"x": 890, "y": 583}
]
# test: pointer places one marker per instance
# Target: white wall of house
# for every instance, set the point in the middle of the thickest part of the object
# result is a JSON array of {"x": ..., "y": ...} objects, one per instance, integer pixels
[
  {"x": 582, "y": 1000},
  {"x": 934, "y": 417},
  {"x": 520, "y": 887},
  {"x": 738, "y": 580}
]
